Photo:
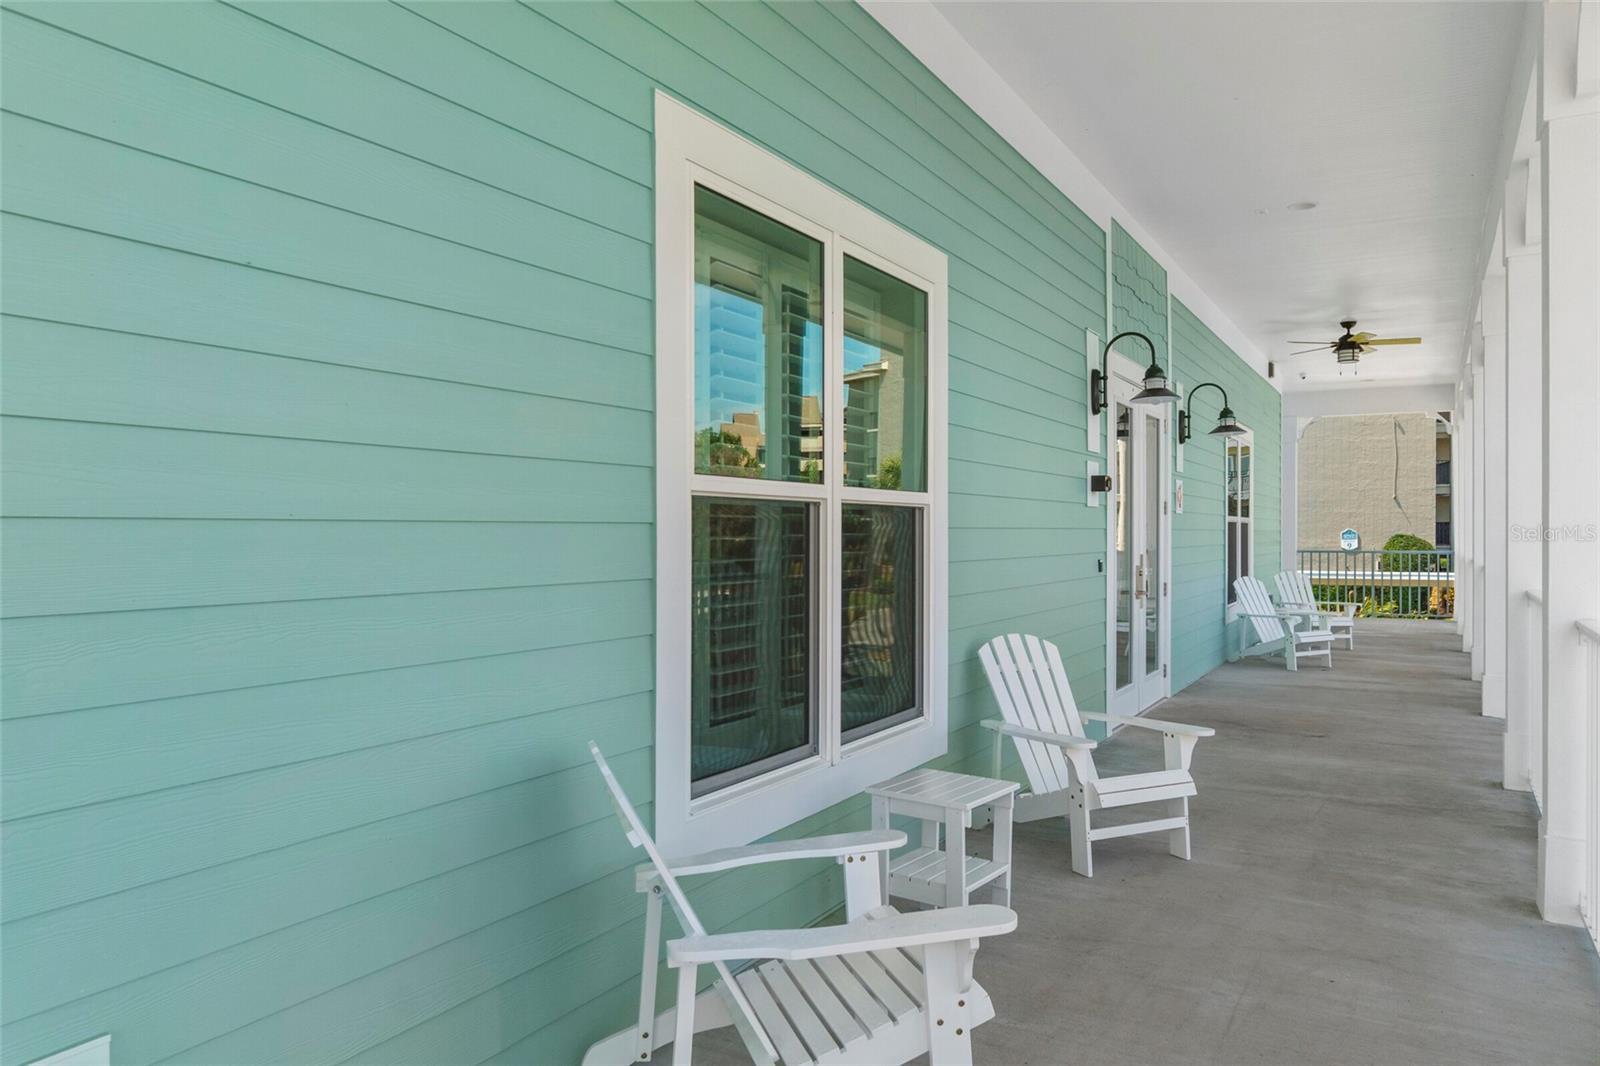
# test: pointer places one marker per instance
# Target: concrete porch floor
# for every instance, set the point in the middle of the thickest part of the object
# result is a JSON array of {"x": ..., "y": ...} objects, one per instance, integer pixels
[{"x": 1361, "y": 892}]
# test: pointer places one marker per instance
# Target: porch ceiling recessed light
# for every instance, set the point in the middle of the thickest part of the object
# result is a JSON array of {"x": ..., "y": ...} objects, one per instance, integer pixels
[
  {"x": 1155, "y": 388},
  {"x": 1227, "y": 423},
  {"x": 1302, "y": 205}
]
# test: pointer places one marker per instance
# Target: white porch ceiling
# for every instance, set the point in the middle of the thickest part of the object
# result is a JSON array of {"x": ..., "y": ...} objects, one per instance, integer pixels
[{"x": 1206, "y": 120}]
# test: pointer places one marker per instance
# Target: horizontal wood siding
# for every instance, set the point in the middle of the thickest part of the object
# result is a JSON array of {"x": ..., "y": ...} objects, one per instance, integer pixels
[
  {"x": 1198, "y": 537},
  {"x": 328, "y": 444}
]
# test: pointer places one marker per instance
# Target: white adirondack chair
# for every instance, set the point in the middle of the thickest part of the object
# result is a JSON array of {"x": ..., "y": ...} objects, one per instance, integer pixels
[
  {"x": 883, "y": 988},
  {"x": 1296, "y": 594},
  {"x": 1043, "y": 720},
  {"x": 1275, "y": 630}
]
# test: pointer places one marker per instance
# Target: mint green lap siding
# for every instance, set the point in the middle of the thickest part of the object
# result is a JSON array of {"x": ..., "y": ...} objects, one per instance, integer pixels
[
  {"x": 329, "y": 457},
  {"x": 1199, "y": 539}
]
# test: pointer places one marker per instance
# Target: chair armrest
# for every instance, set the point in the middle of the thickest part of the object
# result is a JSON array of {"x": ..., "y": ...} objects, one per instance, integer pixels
[
  {"x": 1156, "y": 724},
  {"x": 1279, "y": 615},
  {"x": 892, "y": 930},
  {"x": 835, "y": 846},
  {"x": 1060, "y": 740}
]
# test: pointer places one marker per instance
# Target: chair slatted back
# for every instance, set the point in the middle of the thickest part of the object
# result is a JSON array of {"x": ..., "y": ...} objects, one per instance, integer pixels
[
  {"x": 1294, "y": 591},
  {"x": 1031, "y": 687},
  {"x": 1294, "y": 587},
  {"x": 1253, "y": 598},
  {"x": 744, "y": 1015}
]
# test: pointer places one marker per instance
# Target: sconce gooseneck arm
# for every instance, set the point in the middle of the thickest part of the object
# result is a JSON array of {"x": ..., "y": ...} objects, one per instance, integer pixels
[
  {"x": 1097, "y": 392},
  {"x": 1105, "y": 353},
  {"x": 1189, "y": 404}
]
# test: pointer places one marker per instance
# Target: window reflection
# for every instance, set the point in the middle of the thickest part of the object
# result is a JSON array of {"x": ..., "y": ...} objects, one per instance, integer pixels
[{"x": 758, "y": 345}]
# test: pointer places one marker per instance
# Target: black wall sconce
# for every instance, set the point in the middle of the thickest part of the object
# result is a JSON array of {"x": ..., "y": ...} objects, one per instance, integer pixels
[
  {"x": 1227, "y": 424},
  {"x": 1155, "y": 379}
]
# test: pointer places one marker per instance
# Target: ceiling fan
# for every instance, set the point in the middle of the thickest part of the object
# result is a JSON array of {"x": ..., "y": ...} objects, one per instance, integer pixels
[{"x": 1350, "y": 347}]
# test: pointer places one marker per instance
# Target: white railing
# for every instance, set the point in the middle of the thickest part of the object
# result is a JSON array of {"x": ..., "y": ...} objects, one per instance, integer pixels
[
  {"x": 1401, "y": 582},
  {"x": 1534, "y": 719},
  {"x": 1589, "y": 901}
]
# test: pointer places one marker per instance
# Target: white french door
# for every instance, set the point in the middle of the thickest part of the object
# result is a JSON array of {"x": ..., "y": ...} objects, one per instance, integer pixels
[{"x": 1138, "y": 536}]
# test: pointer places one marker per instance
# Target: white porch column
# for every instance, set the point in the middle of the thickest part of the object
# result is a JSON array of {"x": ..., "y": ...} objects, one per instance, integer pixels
[
  {"x": 1480, "y": 455},
  {"x": 1493, "y": 599},
  {"x": 1524, "y": 471},
  {"x": 1461, "y": 501},
  {"x": 1569, "y": 127}
]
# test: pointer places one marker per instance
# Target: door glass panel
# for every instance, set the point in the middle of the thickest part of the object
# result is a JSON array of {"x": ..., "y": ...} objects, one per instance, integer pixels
[
  {"x": 885, "y": 380},
  {"x": 881, "y": 622},
  {"x": 1124, "y": 547},
  {"x": 1152, "y": 543},
  {"x": 752, "y": 693},
  {"x": 757, "y": 345}
]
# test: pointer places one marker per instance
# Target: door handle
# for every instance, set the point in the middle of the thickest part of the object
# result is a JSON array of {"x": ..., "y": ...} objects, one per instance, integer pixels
[{"x": 1138, "y": 580}]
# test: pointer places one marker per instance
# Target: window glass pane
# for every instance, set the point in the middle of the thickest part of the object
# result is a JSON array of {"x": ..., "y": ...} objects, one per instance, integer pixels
[
  {"x": 757, "y": 345},
  {"x": 1244, "y": 481},
  {"x": 881, "y": 630},
  {"x": 885, "y": 380},
  {"x": 753, "y": 693},
  {"x": 1231, "y": 479},
  {"x": 1245, "y": 569},
  {"x": 1233, "y": 558}
]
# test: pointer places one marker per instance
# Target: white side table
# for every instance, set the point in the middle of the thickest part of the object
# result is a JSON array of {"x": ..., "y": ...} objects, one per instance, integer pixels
[{"x": 945, "y": 876}]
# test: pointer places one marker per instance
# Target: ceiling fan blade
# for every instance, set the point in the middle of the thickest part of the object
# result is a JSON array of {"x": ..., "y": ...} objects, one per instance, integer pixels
[
  {"x": 1325, "y": 344},
  {"x": 1308, "y": 351},
  {"x": 1362, "y": 337},
  {"x": 1394, "y": 340}
]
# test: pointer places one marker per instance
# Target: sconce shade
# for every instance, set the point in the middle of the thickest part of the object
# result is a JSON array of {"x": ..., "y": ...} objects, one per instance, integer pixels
[
  {"x": 1156, "y": 389},
  {"x": 1227, "y": 424}
]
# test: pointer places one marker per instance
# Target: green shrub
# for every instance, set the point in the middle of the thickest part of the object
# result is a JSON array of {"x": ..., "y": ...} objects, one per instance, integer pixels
[{"x": 1393, "y": 557}]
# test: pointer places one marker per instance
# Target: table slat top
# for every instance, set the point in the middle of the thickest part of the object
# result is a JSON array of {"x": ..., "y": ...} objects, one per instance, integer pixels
[{"x": 942, "y": 788}]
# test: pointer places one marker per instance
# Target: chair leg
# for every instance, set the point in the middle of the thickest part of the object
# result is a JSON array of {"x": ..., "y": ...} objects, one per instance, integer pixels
[
  {"x": 683, "y": 1038},
  {"x": 1078, "y": 824},
  {"x": 948, "y": 1021},
  {"x": 1289, "y": 655},
  {"x": 644, "y": 1044},
  {"x": 1178, "y": 839}
]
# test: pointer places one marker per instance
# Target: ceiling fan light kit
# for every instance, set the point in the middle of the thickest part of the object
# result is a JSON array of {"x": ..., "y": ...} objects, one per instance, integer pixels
[{"x": 1349, "y": 348}]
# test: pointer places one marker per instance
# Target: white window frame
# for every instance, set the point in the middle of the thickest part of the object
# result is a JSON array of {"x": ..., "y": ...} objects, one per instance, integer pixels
[
  {"x": 692, "y": 149},
  {"x": 1246, "y": 438}
]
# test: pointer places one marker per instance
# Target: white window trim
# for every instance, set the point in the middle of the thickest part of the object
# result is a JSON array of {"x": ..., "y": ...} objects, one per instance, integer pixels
[
  {"x": 691, "y": 148},
  {"x": 1231, "y": 610}
]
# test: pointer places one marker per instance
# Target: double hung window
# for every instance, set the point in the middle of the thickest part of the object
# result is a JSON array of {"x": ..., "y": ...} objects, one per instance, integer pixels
[
  {"x": 800, "y": 490},
  {"x": 1237, "y": 480}
]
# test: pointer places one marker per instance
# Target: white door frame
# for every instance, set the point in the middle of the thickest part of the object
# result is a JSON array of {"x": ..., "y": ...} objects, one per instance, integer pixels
[{"x": 1146, "y": 690}]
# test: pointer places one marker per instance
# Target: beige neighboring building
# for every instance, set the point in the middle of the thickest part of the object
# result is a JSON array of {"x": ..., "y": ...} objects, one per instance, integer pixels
[{"x": 1377, "y": 474}]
